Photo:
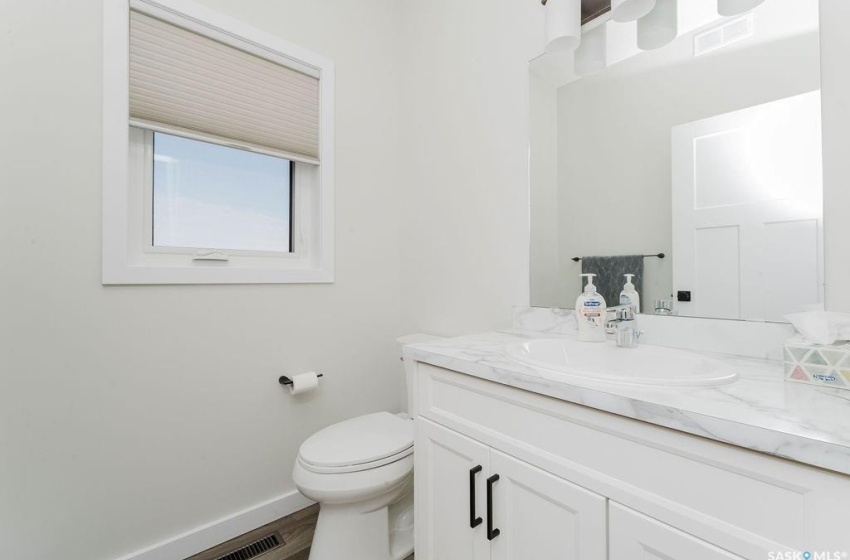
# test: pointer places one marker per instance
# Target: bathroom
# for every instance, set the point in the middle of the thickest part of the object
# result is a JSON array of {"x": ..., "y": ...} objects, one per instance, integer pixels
[{"x": 143, "y": 414}]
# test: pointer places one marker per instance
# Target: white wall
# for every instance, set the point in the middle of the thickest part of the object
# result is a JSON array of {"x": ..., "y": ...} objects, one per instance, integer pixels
[
  {"x": 465, "y": 118},
  {"x": 835, "y": 99},
  {"x": 131, "y": 414},
  {"x": 614, "y": 148}
]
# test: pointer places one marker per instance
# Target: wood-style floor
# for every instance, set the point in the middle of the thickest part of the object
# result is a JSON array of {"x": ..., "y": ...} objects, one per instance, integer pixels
[{"x": 296, "y": 530}]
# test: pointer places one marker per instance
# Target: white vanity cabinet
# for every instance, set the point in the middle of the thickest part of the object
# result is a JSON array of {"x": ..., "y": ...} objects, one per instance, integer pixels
[
  {"x": 543, "y": 516},
  {"x": 448, "y": 467},
  {"x": 483, "y": 504},
  {"x": 569, "y": 482},
  {"x": 634, "y": 535}
]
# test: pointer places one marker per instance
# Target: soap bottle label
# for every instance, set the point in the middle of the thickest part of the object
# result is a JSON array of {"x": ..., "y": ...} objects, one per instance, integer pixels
[{"x": 592, "y": 313}]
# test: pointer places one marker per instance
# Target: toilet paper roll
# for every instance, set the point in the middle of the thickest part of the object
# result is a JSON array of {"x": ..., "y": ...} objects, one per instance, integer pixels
[{"x": 304, "y": 382}]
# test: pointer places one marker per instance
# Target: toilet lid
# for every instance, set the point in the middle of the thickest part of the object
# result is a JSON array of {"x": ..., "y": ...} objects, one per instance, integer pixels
[{"x": 361, "y": 440}]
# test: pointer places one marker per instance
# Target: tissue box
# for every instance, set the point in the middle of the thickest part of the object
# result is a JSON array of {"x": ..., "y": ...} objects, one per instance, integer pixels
[{"x": 828, "y": 366}]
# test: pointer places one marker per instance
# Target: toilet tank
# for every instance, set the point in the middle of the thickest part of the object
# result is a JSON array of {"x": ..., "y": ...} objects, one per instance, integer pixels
[{"x": 408, "y": 367}]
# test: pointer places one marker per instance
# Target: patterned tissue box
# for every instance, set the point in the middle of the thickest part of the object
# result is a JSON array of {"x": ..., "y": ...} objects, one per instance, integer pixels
[{"x": 828, "y": 366}]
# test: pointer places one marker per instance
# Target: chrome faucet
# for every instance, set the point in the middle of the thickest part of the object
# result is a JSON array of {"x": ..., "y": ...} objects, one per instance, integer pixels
[{"x": 623, "y": 328}]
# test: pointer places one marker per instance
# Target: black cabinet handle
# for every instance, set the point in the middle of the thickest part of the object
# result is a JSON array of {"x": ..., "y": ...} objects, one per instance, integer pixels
[
  {"x": 473, "y": 520},
  {"x": 491, "y": 532}
]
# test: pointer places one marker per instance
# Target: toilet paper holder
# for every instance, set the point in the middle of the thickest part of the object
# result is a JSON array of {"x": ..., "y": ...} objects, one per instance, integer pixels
[{"x": 284, "y": 380}]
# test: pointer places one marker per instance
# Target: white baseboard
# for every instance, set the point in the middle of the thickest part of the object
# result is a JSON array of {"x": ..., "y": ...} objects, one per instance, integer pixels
[{"x": 206, "y": 536}]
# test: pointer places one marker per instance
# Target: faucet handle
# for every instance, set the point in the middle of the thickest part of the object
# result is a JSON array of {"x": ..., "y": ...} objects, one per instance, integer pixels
[{"x": 624, "y": 312}]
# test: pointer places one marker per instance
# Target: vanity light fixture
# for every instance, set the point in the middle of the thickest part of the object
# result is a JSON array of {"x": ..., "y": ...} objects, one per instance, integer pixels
[
  {"x": 630, "y": 10},
  {"x": 659, "y": 27},
  {"x": 592, "y": 56},
  {"x": 563, "y": 25},
  {"x": 734, "y": 7}
]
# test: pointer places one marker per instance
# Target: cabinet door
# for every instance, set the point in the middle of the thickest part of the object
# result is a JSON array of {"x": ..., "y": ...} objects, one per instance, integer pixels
[
  {"x": 450, "y": 470},
  {"x": 541, "y": 516},
  {"x": 634, "y": 535}
]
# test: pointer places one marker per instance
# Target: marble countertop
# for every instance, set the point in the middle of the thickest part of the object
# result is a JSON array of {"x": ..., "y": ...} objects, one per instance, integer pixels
[{"x": 761, "y": 411}]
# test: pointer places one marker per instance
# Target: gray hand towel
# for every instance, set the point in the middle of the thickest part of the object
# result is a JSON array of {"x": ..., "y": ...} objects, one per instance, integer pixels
[{"x": 610, "y": 275}]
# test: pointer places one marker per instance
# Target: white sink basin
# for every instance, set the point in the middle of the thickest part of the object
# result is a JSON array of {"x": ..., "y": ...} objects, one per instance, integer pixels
[{"x": 644, "y": 365}]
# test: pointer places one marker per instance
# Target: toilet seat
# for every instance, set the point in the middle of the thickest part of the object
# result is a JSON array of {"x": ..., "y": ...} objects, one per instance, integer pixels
[
  {"x": 355, "y": 468},
  {"x": 359, "y": 444}
]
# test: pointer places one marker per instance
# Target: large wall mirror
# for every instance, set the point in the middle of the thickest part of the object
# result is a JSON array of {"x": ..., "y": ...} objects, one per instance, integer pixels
[{"x": 694, "y": 163}]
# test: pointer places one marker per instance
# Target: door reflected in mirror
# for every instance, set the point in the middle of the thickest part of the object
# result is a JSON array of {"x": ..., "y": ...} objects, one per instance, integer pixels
[{"x": 706, "y": 150}]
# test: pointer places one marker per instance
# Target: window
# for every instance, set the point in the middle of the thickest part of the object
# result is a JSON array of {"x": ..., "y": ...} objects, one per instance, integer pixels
[
  {"x": 218, "y": 151},
  {"x": 210, "y": 196}
]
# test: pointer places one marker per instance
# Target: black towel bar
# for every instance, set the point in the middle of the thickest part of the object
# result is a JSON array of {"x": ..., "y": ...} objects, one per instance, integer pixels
[{"x": 659, "y": 255}]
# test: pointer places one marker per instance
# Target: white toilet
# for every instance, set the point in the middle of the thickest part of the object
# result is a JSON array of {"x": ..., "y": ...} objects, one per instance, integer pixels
[{"x": 361, "y": 472}]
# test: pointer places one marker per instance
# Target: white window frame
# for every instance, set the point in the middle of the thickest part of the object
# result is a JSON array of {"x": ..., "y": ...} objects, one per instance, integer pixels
[{"x": 128, "y": 257}]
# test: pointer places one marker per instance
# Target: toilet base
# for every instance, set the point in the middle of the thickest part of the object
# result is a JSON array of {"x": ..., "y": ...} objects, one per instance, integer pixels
[{"x": 345, "y": 531}]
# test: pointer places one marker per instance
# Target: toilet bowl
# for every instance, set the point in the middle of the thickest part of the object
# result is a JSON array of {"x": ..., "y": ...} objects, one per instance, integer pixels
[{"x": 361, "y": 473}]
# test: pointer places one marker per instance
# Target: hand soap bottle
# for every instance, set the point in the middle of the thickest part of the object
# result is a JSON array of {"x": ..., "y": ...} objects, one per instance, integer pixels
[
  {"x": 629, "y": 295},
  {"x": 590, "y": 313}
]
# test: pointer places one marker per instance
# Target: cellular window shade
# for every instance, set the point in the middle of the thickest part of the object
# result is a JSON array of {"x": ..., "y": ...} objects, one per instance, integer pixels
[{"x": 180, "y": 79}]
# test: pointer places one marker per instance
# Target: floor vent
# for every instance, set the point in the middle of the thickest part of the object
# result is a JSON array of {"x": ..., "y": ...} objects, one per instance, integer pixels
[{"x": 255, "y": 548}]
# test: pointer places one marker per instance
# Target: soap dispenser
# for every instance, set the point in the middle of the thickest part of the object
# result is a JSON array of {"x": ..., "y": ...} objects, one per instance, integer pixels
[
  {"x": 590, "y": 313},
  {"x": 629, "y": 295}
]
